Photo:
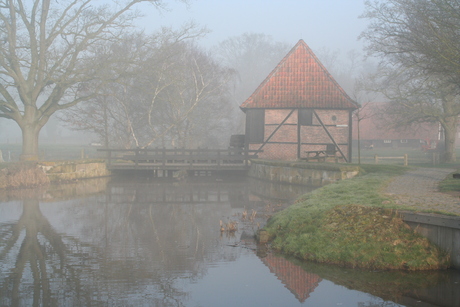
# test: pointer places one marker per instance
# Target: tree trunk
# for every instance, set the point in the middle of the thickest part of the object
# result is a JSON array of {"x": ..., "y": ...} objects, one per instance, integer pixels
[
  {"x": 450, "y": 131},
  {"x": 30, "y": 142}
]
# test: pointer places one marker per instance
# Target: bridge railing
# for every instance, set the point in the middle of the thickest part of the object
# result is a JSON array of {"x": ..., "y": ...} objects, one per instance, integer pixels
[{"x": 180, "y": 156}]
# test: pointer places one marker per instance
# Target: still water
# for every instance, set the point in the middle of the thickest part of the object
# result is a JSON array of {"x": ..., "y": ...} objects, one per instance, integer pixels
[{"x": 141, "y": 242}]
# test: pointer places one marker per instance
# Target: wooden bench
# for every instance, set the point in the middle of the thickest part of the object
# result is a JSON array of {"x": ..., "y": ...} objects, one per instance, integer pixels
[{"x": 319, "y": 155}]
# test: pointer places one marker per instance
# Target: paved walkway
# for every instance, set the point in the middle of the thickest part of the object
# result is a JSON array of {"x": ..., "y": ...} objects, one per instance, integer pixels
[{"x": 419, "y": 188}]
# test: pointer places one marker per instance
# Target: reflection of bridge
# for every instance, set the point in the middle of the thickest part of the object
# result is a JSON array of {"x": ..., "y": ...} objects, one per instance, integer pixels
[
  {"x": 165, "y": 161},
  {"x": 239, "y": 191},
  {"x": 137, "y": 190}
]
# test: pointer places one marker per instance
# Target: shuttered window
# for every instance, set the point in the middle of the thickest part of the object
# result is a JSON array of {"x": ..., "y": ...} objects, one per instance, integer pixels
[
  {"x": 255, "y": 121},
  {"x": 305, "y": 117}
]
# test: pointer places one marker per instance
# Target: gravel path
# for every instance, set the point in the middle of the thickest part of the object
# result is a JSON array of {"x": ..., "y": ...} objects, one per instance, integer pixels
[{"x": 419, "y": 188}]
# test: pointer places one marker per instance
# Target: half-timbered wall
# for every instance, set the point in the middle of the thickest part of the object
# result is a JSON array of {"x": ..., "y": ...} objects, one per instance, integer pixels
[{"x": 283, "y": 144}]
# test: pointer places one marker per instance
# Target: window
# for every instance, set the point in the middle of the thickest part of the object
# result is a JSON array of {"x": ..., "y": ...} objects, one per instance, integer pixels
[
  {"x": 403, "y": 141},
  {"x": 305, "y": 117},
  {"x": 387, "y": 141},
  {"x": 255, "y": 125}
]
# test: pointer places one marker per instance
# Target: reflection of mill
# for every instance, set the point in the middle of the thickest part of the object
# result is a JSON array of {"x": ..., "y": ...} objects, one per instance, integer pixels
[{"x": 300, "y": 282}]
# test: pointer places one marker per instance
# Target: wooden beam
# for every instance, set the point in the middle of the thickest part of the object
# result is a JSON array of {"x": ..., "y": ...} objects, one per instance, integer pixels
[
  {"x": 299, "y": 136},
  {"x": 274, "y": 131},
  {"x": 330, "y": 136},
  {"x": 350, "y": 136}
]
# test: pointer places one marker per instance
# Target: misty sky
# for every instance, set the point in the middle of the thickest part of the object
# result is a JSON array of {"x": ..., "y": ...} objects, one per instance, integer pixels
[{"x": 332, "y": 24}]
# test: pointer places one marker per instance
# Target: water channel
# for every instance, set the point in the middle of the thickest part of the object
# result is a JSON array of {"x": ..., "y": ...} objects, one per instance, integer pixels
[{"x": 137, "y": 241}]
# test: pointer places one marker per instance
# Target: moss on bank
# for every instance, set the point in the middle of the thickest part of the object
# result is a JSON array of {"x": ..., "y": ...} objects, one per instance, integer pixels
[{"x": 352, "y": 224}]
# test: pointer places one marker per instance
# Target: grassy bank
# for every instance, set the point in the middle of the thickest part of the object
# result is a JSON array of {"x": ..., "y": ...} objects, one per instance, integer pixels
[
  {"x": 15, "y": 175},
  {"x": 21, "y": 175},
  {"x": 351, "y": 223}
]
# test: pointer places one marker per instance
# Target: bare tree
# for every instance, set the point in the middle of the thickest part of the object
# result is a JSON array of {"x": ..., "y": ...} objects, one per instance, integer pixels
[
  {"x": 415, "y": 98},
  {"x": 167, "y": 95},
  {"x": 420, "y": 68},
  {"x": 48, "y": 49}
]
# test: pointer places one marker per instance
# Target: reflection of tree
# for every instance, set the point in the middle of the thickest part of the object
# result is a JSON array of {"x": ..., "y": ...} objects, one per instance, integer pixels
[
  {"x": 127, "y": 249},
  {"x": 40, "y": 267},
  {"x": 39, "y": 241}
]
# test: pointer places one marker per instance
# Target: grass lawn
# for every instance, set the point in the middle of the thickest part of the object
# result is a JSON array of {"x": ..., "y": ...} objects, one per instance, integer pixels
[{"x": 351, "y": 223}]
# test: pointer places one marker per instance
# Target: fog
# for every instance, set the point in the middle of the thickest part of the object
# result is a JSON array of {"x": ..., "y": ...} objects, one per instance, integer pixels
[
  {"x": 327, "y": 26},
  {"x": 334, "y": 24},
  {"x": 54, "y": 132}
]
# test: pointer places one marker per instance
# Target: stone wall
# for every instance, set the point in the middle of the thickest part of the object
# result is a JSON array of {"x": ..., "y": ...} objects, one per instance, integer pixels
[
  {"x": 73, "y": 170},
  {"x": 300, "y": 172},
  {"x": 31, "y": 174}
]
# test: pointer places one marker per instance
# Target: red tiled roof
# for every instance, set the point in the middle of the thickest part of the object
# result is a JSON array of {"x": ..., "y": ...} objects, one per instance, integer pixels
[{"x": 299, "y": 81}]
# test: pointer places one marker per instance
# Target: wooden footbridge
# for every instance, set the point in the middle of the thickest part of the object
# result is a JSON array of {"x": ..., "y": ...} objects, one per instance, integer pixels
[{"x": 164, "y": 162}]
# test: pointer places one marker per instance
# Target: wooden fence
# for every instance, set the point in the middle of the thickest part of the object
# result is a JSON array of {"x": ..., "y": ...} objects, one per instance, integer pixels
[
  {"x": 179, "y": 159},
  {"x": 404, "y": 158}
]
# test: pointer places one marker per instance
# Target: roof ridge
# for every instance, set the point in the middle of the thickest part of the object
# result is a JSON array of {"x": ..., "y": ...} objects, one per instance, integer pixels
[{"x": 276, "y": 68}]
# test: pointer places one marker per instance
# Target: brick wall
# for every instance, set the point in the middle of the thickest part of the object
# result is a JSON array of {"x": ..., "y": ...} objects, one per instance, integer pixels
[{"x": 284, "y": 145}]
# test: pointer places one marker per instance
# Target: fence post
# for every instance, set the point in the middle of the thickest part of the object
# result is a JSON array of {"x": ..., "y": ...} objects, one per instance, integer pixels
[
  {"x": 406, "y": 160},
  {"x": 376, "y": 158}
]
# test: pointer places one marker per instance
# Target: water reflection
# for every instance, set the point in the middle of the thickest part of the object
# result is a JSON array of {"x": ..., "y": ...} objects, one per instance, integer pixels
[
  {"x": 299, "y": 281},
  {"x": 157, "y": 243},
  {"x": 433, "y": 288}
]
